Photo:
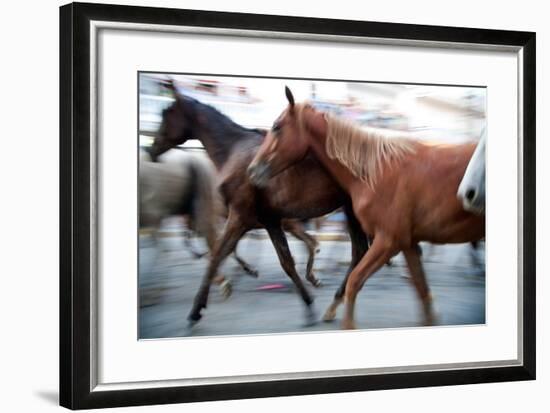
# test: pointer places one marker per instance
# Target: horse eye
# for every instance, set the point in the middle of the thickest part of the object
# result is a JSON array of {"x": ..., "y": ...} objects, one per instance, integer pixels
[{"x": 276, "y": 127}]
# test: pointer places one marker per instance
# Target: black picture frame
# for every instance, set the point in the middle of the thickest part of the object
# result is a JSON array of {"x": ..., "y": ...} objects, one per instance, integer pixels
[{"x": 75, "y": 221}]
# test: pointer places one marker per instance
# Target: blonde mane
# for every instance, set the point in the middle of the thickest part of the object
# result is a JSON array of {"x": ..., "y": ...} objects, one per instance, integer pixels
[{"x": 364, "y": 151}]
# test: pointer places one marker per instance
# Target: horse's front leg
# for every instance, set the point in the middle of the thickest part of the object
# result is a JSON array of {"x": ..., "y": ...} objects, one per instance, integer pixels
[
  {"x": 378, "y": 254},
  {"x": 280, "y": 243},
  {"x": 234, "y": 230}
]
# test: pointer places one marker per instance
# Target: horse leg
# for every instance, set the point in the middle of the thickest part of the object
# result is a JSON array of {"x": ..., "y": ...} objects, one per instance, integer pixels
[
  {"x": 330, "y": 313},
  {"x": 359, "y": 246},
  {"x": 280, "y": 243},
  {"x": 233, "y": 231},
  {"x": 189, "y": 245},
  {"x": 418, "y": 278},
  {"x": 297, "y": 229},
  {"x": 244, "y": 265},
  {"x": 474, "y": 245},
  {"x": 205, "y": 227},
  {"x": 157, "y": 245},
  {"x": 378, "y": 254}
]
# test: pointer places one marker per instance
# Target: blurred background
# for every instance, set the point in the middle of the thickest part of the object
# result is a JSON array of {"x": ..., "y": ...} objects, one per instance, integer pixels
[
  {"x": 173, "y": 261},
  {"x": 446, "y": 114}
]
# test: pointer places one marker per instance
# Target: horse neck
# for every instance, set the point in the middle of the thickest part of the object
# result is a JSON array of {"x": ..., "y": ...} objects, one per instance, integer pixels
[
  {"x": 219, "y": 134},
  {"x": 316, "y": 133}
]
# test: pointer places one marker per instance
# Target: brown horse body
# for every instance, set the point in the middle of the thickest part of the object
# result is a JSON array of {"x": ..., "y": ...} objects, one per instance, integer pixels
[
  {"x": 413, "y": 198},
  {"x": 421, "y": 189},
  {"x": 232, "y": 147}
]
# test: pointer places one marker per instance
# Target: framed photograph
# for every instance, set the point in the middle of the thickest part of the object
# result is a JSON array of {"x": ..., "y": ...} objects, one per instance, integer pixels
[{"x": 230, "y": 182}]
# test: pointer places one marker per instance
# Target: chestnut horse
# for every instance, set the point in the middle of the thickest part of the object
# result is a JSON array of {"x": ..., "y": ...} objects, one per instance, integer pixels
[
  {"x": 402, "y": 191},
  {"x": 232, "y": 147}
]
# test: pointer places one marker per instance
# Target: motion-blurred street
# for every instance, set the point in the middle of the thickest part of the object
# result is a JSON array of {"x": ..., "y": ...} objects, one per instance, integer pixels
[{"x": 170, "y": 277}]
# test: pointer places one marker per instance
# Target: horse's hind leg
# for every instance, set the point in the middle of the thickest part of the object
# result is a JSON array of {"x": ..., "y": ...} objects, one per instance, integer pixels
[
  {"x": 359, "y": 246},
  {"x": 297, "y": 229},
  {"x": 280, "y": 243},
  {"x": 157, "y": 247},
  {"x": 244, "y": 265},
  {"x": 233, "y": 231},
  {"x": 418, "y": 277}
]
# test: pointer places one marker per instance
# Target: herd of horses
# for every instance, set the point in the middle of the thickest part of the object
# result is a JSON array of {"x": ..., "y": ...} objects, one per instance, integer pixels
[{"x": 395, "y": 192}]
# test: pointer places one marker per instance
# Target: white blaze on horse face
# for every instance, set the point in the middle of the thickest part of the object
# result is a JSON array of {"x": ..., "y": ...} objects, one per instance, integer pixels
[{"x": 471, "y": 190}]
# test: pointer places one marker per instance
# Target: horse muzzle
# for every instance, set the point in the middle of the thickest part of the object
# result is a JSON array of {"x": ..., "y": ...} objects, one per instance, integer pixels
[{"x": 259, "y": 173}]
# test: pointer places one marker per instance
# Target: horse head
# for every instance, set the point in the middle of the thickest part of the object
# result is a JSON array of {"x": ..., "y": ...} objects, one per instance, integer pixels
[
  {"x": 177, "y": 123},
  {"x": 284, "y": 145},
  {"x": 471, "y": 190}
]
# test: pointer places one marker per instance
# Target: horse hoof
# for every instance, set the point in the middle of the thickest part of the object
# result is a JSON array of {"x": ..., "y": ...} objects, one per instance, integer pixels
[
  {"x": 348, "y": 325},
  {"x": 194, "y": 318},
  {"x": 329, "y": 316},
  {"x": 226, "y": 289},
  {"x": 316, "y": 282},
  {"x": 311, "y": 317},
  {"x": 188, "y": 329},
  {"x": 251, "y": 271},
  {"x": 430, "y": 317},
  {"x": 430, "y": 320}
]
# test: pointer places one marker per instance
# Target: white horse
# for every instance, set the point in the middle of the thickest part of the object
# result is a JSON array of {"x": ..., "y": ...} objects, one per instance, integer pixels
[
  {"x": 180, "y": 184},
  {"x": 183, "y": 184},
  {"x": 471, "y": 190}
]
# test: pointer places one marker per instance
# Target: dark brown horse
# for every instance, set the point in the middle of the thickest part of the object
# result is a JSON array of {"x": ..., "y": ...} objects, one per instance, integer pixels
[
  {"x": 232, "y": 147},
  {"x": 402, "y": 191}
]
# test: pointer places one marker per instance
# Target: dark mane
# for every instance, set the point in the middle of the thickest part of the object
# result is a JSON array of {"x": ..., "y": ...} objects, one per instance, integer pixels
[
  {"x": 219, "y": 118},
  {"x": 218, "y": 133}
]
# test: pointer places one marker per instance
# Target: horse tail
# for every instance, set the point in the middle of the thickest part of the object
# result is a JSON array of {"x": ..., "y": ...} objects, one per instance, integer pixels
[{"x": 206, "y": 204}]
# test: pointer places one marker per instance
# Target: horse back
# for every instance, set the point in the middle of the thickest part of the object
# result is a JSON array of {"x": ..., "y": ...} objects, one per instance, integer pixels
[{"x": 417, "y": 196}]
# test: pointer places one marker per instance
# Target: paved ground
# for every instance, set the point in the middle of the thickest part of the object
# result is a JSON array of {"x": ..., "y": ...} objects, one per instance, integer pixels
[{"x": 169, "y": 278}]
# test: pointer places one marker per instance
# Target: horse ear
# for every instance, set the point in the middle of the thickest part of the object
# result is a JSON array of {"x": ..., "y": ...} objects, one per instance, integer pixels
[
  {"x": 289, "y": 96},
  {"x": 169, "y": 85}
]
